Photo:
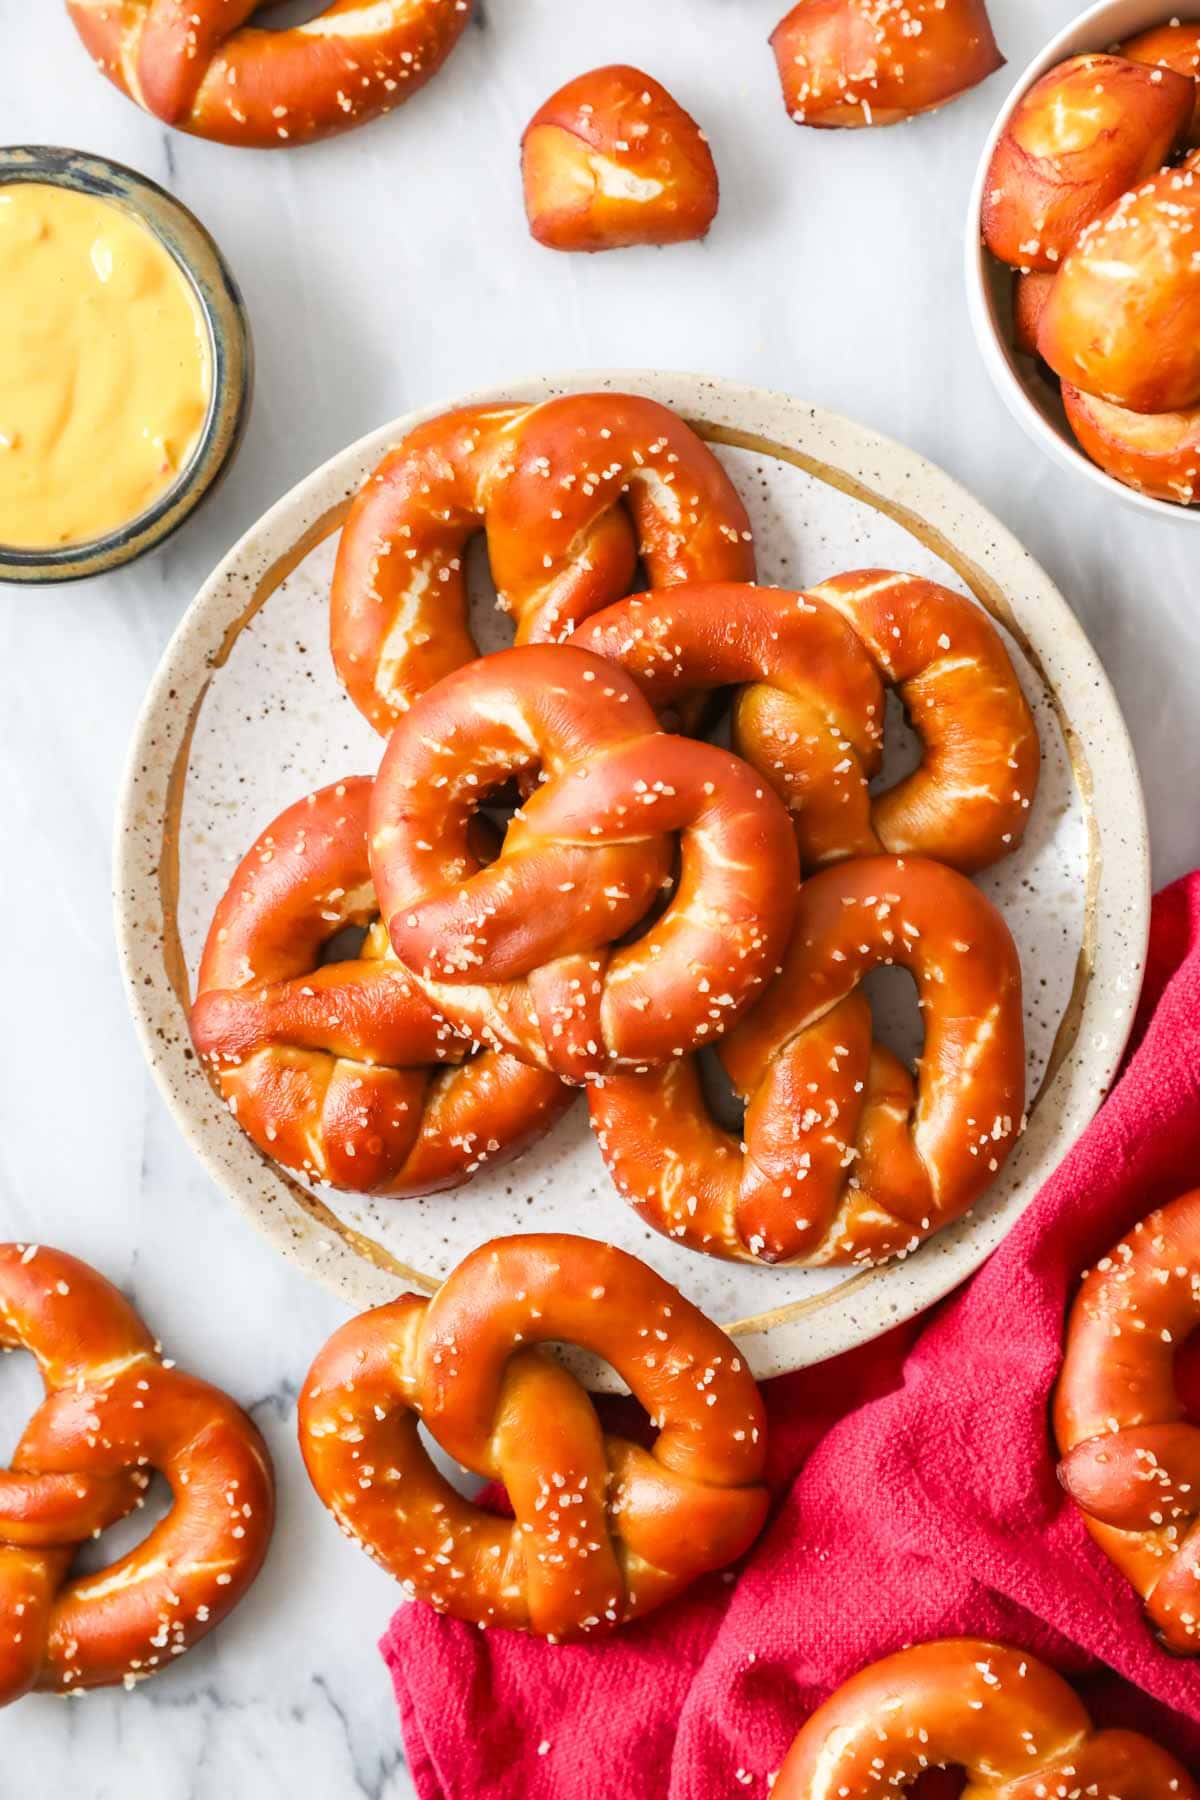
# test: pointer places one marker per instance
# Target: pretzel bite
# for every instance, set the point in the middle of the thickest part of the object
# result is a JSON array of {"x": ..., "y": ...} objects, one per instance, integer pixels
[
  {"x": 876, "y": 62},
  {"x": 1155, "y": 453},
  {"x": 1081, "y": 136},
  {"x": 612, "y": 159},
  {"x": 1173, "y": 46},
  {"x": 1122, "y": 321},
  {"x": 1013, "y": 1725},
  {"x": 1031, "y": 290}
]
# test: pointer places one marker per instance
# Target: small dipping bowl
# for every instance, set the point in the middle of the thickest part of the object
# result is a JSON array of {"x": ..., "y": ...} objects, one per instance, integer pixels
[
  {"x": 231, "y": 359},
  {"x": 1029, "y": 397}
]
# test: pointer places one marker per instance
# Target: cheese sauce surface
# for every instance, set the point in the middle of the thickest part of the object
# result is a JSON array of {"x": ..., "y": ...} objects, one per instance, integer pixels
[{"x": 105, "y": 367}]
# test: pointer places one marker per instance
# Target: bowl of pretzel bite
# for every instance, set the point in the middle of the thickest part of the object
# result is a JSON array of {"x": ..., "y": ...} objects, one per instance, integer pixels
[{"x": 1083, "y": 252}]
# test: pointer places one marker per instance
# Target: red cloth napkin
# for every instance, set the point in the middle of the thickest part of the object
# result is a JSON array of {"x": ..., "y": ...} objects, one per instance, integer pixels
[{"x": 916, "y": 1499}]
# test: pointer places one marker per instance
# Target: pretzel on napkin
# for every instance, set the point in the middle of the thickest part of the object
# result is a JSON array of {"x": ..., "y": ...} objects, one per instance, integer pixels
[
  {"x": 1130, "y": 1455},
  {"x": 342, "y": 1071},
  {"x": 523, "y": 954},
  {"x": 1013, "y": 1725},
  {"x": 201, "y": 65},
  {"x": 604, "y": 1531},
  {"x": 571, "y": 494},
  {"x": 842, "y": 1157},
  {"x": 115, "y": 1411}
]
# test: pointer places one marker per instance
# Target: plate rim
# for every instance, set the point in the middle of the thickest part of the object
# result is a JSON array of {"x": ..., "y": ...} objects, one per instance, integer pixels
[{"x": 774, "y": 1341}]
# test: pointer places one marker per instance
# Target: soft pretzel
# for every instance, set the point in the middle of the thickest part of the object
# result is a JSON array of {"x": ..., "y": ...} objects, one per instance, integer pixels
[
  {"x": 520, "y": 954},
  {"x": 1031, "y": 289},
  {"x": 613, "y": 159},
  {"x": 201, "y": 66},
  {"x": 1155, "y": 453},
  {"x": 114, "y": 1412},
  {"x": 1122, "y": 320},
  {"x": 1131, "y": 1458},
  {"x": 571, "y": 494},
  {"x": 1088, "y": 130},
  {"x": 876, "y": 62},
  {"x": 343, "y": 1071},
  {"x": 604, "y": 1530},
  {"x": 810, "y": 715},
  {"x": 842, "y": 1157},
  {"x": 1011, "y": 1724},
  {"x": 1172, "y": 46}
]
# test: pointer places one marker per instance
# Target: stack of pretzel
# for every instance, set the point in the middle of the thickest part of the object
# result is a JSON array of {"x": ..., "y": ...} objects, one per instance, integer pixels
[{"x": 559, "y": 881}]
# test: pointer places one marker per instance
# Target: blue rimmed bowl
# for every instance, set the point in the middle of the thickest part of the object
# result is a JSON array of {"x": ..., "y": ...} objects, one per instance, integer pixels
[{"x": 230, "y": 353}]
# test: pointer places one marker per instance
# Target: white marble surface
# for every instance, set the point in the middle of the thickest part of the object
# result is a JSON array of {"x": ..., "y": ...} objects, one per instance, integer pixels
[{"x": 387, "y": 270}]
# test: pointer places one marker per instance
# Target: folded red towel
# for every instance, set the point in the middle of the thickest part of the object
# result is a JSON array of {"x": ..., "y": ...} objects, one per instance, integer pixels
[{"x": 925, "y": 1505}]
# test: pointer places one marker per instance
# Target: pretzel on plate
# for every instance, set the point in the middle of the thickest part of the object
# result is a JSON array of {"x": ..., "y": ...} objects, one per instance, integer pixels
[
  {"x": 604, "y": 1530},
  {"x": 201, "y": 66},
  {"x": 810, "y": 715},
  {"x": 612, "y": 159},
  {"x": 860, "y": 62},
  {"x": 1122, "y": 320},
  {"x": 842, "y": 1158},
  {"x": 571, "y": 494},
  {"x": 1013, "y": 1725},
  {"x": 1130, "y": 1455},
  {"x": 343, "y": 1071},
  {"x": 522, "y": 954},
  {"x": 115, "y": 1411},
  {"x": 1088, "y": 130}
]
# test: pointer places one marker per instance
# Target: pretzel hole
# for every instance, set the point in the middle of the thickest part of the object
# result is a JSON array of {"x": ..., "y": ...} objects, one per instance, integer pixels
[
  {"x": 345, "y": 945},
  {"x": 726, "y": 1105},
  {"x": 1187, "y": 1377},
  {"x": 127, "y": 1533},
  {"x": 892, "y": 995},
  {"x": 21, "y": 1393},
  {"x": 285, "y": 15},
  {"x": 903, "y": 750},
  {"x": 939, "y": 1784},
  {"x": 464, "y": 1481}
]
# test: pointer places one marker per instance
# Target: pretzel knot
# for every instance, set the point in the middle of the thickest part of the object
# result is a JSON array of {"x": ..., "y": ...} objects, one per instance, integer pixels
[
  {"x": 199, "y": 65},
  {"x": 1013, "y": 1725},
  {"x": 571, "y": 494},
  {"x": 519, "y": 954},
  {"x": 113, "y": 1412},
  {"x": 842, "y": 1157},
  {"x": 1131, "y": 1458},
  {"x": 603, "y": 1530},
  {"x": 343, "y": 1071}
]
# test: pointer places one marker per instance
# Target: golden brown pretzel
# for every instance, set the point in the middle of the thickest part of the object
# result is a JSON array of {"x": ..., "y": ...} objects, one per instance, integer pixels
[
  {"x": 842, "y": 1158},
  {"x": 857, "y": 62},
  {"x": 201, "y": 66},
  {"x": 1172, "y": 46},
  {"x": 1131, "y": 1458},
  {"x": 570, "y": 493},
  {"x": 519, "y": 954},
  {"x": 604, "y": 1530},
  {"x": 113, "y": 1412},
  {"x": 811, "y": 717},
  {"x": 336, "y": 1071},
  {"x": 613, "y": 159},
  {"x": 1154, "y": 453},
  {"x": 1011, "y": 1724}
]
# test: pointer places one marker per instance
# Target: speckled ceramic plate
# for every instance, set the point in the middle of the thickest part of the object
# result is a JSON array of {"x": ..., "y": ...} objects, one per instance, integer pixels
[{"x": 245, "y": 716}]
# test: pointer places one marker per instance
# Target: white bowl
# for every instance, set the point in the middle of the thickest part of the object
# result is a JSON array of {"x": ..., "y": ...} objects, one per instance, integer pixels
[
  {"x": 246, "y": 689},
  {"x": 1032, "y": 401}
]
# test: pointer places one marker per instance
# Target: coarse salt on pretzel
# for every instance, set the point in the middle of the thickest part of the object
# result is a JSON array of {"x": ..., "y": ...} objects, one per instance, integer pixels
[
  {"x": 1011, "y": 1724},
  {"x": 1088, "y": 130},
  {"x": 115, "y": 1411},
  {"x": 612, "y": 159},
  {"x": 1130, "y": 1455},
  {"x": 1154, "y": 453},
  {"x": 604, "y": 1530},
  {"x": 1122, "y": 320},
  {"x": 1175, "y": 46},
  {"x": 809, "y": 714},
  {"x": 877, "y": 62},
  {"x": 201, "y": 66},
  {"x": 571, "y": 494},
  {"x": 522, "y": 954},
  {"x": 842, "y": 1158},
  {"x": 343, "y": 1071}
]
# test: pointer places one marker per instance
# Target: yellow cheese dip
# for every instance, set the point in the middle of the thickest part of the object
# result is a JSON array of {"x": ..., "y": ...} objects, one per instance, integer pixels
[{"x": 105, "y": 367}]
